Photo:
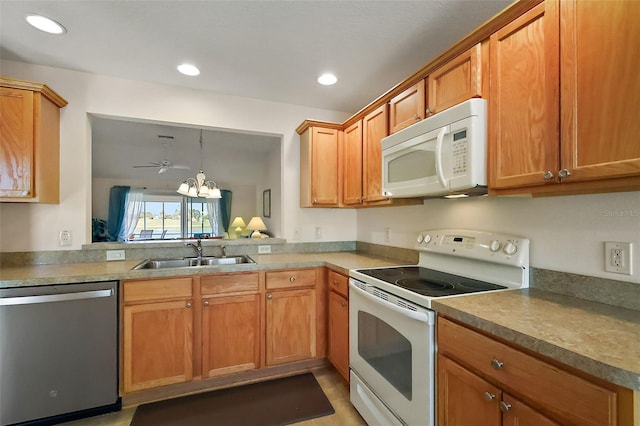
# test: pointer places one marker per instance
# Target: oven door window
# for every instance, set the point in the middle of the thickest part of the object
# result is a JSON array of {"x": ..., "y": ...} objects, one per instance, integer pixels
[{"x": 386, "y": 350}]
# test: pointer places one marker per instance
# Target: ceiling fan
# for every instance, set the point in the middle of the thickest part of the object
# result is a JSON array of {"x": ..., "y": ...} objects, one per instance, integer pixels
[{"x": 162, "y": 166}]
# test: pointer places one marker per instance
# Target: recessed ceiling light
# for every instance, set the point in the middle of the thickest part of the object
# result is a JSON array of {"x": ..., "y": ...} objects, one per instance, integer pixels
[
  {"x": 327, "y": 79},
  {"x": 45, "y": 24},
  {"x": 188, "y": 69}
]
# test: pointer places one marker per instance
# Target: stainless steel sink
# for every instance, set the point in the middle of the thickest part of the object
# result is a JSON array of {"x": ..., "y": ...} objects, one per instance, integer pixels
[{"x": 192, "y": 261}]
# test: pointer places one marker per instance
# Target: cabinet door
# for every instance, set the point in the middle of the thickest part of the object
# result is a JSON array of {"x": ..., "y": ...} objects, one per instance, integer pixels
[
  {"x": 600, "y": 91},
  {"x": 352, "y": 164},
  {"x": 523, "y": 103},
  {"x": 157, "y": 344},
  {"x": 290, "y": 326},
  {"x": 324, "y": 167},
  {"x": 464, "y": 398},
  {"x": 376, "y": 127},
  {"x": 456, "y": 81},
  {"x": 339, "y": 333},
  {"x": 16, "y": 142},
  {"x": 516, "y": 413},
  {"x": 230, "y": 334},
  {"x": 407, "y": 108}
]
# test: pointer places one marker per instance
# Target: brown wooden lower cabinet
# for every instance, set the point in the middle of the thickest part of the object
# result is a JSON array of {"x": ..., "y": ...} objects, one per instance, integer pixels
[
  {"x": 484, "y": 381},
  {"x": 157, "y": 333},
  {"x": 338, "y": 330},
  {"x": 177, "y": 330}
]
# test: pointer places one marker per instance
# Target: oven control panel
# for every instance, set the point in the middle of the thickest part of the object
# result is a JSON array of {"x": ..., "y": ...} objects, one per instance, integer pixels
[{"x": 487, "y": 246}]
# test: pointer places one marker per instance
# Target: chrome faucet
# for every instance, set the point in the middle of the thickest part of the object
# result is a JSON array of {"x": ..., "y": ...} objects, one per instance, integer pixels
[{"x": 197, "y": 247}]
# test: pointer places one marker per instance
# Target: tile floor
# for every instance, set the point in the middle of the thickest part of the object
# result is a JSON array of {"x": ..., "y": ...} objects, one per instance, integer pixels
[{"x": 331, "y": 382}]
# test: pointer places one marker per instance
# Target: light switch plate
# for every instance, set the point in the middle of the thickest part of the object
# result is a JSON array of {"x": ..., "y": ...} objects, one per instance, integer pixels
[
  {"x": 115, "y": 255},
  {"x": 264, "y": 249}
]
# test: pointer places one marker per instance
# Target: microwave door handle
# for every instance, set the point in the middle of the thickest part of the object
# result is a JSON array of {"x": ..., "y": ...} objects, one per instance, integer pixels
[{"x": 439, "y": 142}]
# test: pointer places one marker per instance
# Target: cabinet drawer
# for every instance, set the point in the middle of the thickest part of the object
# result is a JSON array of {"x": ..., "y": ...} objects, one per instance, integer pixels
[
  {"x": 229, "y": 283},
  {"x": 162, "y": 289},
  {"x": 572, "y": 398},
  {"x": 338, "y": 283},
  {"x": 291, "y": 278}
]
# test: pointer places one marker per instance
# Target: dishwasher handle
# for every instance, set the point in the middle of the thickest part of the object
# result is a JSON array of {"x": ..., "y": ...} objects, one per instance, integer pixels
[{"x": 62, "y": 297}]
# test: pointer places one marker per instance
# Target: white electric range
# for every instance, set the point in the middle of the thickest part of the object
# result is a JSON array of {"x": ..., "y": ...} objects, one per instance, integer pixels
[{"x": 392, "y": 328}]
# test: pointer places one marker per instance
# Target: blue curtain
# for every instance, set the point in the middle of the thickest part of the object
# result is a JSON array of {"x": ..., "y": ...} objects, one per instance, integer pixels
[
  {"x": 117, "y": 206},
  {"x": 225, "y": 206}
]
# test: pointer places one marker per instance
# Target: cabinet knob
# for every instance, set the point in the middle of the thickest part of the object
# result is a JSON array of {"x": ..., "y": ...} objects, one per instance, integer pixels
[
  {"x": 564, "y": 173},
  {"x": 548, "y": 175},
  {"x": 344, "y": 304},
  {"x": 315, "y": 200},
  {"x": 188, "y": 305},
  {"x": 205, "y": 303},
  {"x": 417, "y": 117},
  {"x": 504, "y": 406},
  {"x": 497, "y": 364},
  {"x": 292, "y": 279},
  {"x": 488, "y": 396},
  {"x": 428, "y": 111},
  {"x": 269, "y": 296}
]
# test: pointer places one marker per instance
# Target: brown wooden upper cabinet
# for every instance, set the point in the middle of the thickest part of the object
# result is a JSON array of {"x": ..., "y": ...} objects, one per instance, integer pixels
[
  {"x": 352, "y": 165},
  {"x": 29, "y": 142},
  {"x": 319, "y": 167},
  {"x": 564, "y": 99},
  {"x": 407, "y": 108},
  {"x": 457, "y": 81},
  {"x": 375, "y": 127}
]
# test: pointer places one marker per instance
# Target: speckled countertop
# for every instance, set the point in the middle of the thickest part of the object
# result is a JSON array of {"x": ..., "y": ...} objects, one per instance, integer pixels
[
  {"x": 23, "y": 276},
  {"x": 599, "y": 339}
]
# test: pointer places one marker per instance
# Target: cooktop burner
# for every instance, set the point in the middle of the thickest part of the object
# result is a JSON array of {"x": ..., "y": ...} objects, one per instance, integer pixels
[{"x": 429, "y": 282}]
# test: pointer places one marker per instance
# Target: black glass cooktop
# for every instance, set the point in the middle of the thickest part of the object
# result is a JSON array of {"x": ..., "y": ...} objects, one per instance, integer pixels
[{"x": 429, "y": 282}]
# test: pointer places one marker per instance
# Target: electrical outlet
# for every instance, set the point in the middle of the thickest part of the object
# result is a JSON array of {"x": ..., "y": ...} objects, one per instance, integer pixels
[
  {"x": 318, "y": 232},
  {"x": 64, "y": 238},
  {"x": 264, "y": 249},
  {"x": 387, "y": 234},
  {"x": 115, "y": 255},
  {"x": 617, "y": 257}
]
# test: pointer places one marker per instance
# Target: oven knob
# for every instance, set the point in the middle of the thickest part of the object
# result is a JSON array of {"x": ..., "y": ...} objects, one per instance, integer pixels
[
  {"x": 510, "y": 248},
  {"x": 419, "y": 239},
  {"x": 427, "y": 239},
  {"x": 494, "y": 246}
]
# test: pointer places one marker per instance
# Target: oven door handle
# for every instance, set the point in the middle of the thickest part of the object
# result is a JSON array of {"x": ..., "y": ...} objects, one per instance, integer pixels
[{"x": 418, "y": 316}]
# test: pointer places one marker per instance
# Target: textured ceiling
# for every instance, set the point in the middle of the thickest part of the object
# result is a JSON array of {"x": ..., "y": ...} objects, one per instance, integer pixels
[{"x": 272, "y": 50}]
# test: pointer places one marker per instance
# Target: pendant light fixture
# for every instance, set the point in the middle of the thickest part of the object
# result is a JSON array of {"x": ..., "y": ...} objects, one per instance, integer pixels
[{"x": 200, "y": 186}]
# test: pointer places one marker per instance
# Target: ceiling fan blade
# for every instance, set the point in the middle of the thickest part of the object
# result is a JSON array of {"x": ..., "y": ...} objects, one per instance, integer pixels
[
  {"x": 163, "y": 169},
  {"x": 179, "y": 166},
  {"x": 139, "y": 166}
]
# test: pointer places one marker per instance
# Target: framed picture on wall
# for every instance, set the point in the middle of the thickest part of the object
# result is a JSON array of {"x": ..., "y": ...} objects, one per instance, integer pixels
[{"x": 266, "y": 203}]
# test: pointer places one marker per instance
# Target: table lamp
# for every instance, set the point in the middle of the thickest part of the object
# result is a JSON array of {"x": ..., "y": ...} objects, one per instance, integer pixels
[
  {"x": 256, "y": 225},
  {"x": 236, "y": 227}
]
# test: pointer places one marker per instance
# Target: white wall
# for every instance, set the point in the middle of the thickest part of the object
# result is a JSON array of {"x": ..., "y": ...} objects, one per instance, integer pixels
[
  {"x": 27, "y": 227},
  {"x": 566, "y": 233}
]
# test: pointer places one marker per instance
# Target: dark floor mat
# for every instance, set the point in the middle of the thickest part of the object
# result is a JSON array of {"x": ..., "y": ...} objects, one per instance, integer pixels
[{"x": 275, "y": 402}]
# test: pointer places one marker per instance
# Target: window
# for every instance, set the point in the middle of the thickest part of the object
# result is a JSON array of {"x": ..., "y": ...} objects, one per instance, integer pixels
[{"x": 174, "y": 216}]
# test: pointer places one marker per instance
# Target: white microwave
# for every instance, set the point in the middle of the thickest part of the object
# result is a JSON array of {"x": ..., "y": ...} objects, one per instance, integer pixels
[{"x": 442, "y": 155}]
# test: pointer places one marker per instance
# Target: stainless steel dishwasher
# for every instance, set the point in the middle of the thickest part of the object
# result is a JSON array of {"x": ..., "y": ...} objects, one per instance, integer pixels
[{"x": 58, "y": 352}]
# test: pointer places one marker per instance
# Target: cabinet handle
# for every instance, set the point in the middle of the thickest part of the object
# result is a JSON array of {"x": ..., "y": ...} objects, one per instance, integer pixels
[
  {"x": 417, "y": 117},
  {"x": 292, "y": 279},
  {"x": 188, "y": 305},
  {"x": 344, "y": 304},
  {"x": 548, "y": 175},
  {"x": 205, "y": 303},
  {"x": 497, "y": 364},
  {"x": 428, "y": 111},
  {"x": 488, "y": 396},
  {"x": 269, "y": 296},
  {"x": 504, "y": 406},
  {"x": 564, "y": 173}
]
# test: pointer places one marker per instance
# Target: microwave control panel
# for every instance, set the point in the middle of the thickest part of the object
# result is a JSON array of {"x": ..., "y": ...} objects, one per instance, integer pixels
[{"x": 460, "y": 151}]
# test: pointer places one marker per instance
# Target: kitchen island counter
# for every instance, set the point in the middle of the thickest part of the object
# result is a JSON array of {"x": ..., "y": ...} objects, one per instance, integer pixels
[{"x": 599, "y": 339}]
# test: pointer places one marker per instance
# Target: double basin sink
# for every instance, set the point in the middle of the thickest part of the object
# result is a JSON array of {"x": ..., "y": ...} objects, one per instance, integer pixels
[{"x": 192, "y": 261}]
